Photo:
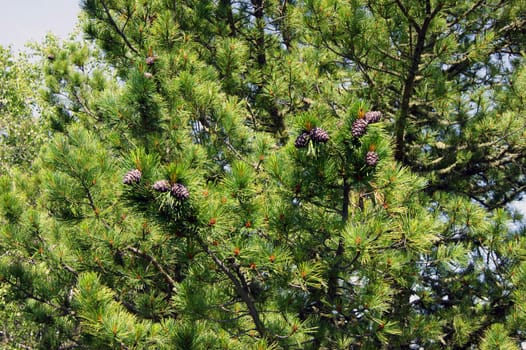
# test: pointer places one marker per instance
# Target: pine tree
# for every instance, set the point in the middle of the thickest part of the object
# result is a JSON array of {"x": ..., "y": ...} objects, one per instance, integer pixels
[
  {"x": 22, "y": 132},
  {"x": 437, "y": 68},
  {"x": 217, "y": 179}
]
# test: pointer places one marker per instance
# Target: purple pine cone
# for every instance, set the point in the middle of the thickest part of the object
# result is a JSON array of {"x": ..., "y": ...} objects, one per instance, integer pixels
[
  {"x": 151, "y": 60},
  {"x": 302, "y": 140},
  {"x": 359, "y": 127},
  {"x": 371, "y": 158},
  {"x": 373, "y": 117},
  {"x": 319, "y": 135},
  {"x": 180, "y": 192},
  {"x": 132, "y": 177},
  {"x": 161, "y": 186}
]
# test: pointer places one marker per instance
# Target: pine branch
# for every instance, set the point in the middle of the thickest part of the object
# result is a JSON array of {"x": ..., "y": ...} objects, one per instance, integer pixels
[
  {"x": 7, "y": 339},
  {"x": 81, "y": 101},
  {"x": 30, "y": 295},
  {"x": 226, "y": 5},
  {"x": 410, "y": 18},
  {"x": 238, "y": 284},
  {"x": 332, "y": 283},
  {"x": 466, "y": 13},
  {"x": 260, "y": 25},
  {"x": 226, "y": 320},
  {"x": 285, "y": 29},
  {"x": 70, "y": 345},
  {"x": 409, "y": 83},
  {"x": 155, "y": 263},
  {"x": 116, "y": 27}
]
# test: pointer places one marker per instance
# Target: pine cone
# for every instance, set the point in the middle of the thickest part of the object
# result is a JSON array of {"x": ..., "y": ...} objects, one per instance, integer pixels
[
  {"x": 302, "y": 140},
  {"x": 319, "y": 135},
  {"x": 161, "y": 186},
  {"x": 132, "y": 177},
  {"x": 359, "y": 127},
  {"x": 373, "y": 117},
  {"x": 371, "y": 158},
  {"x": 151, "y": 60},
  {"x": 180, "y": 192}
]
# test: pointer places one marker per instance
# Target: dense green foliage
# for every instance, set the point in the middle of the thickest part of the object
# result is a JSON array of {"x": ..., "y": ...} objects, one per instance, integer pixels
[
  {"x": 446, "y": 73},
  {"x": 271, "y": 174},
  {"x": 21, "y": 131}
]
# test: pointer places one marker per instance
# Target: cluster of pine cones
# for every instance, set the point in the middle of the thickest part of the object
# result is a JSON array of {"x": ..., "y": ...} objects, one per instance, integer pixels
[
  {"x": 177, "y": 190},
  {"x": 315, "y": 134},
  {"x": 358, "y": 129}
]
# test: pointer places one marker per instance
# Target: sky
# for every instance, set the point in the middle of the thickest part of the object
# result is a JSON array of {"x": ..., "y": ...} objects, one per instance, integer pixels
[{"x": 30, "y": 20}]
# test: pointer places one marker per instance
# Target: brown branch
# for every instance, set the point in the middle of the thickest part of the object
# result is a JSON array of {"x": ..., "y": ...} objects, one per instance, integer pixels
[
  {"x": 155, "y": 263},
  {"x": 260, "y": 25},
  {"x": 242, "y": 291},
  {"x": 409, "y": 84},
  {"x": 466, "y": 14},
  {"x": 226, "y": 6},
  {"x": 29, "y": 295},
  {"x": 116, "y": 27},
  {"x": 408, "y": 16},
  {"x": 333, "y": 273},
  {"x": 70, "y": 269}
]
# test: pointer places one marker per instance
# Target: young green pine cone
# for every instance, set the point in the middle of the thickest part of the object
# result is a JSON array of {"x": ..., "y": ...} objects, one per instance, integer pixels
[
  {"x": 359, "y": 127},
  {"x": 180, "y": 192},
  {"x": 319, "y": 135},
  {"x": 371, "y": 158},
  {"x": 302, "y": 140},
  {"x": 132, "y": 177},
  {"x": 161, "y": 186},
  {"x": 373, "y": 117}
]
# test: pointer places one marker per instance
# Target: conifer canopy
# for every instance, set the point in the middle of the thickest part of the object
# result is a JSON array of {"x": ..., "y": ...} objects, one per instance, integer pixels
[{"x": 319, "y": 174}]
